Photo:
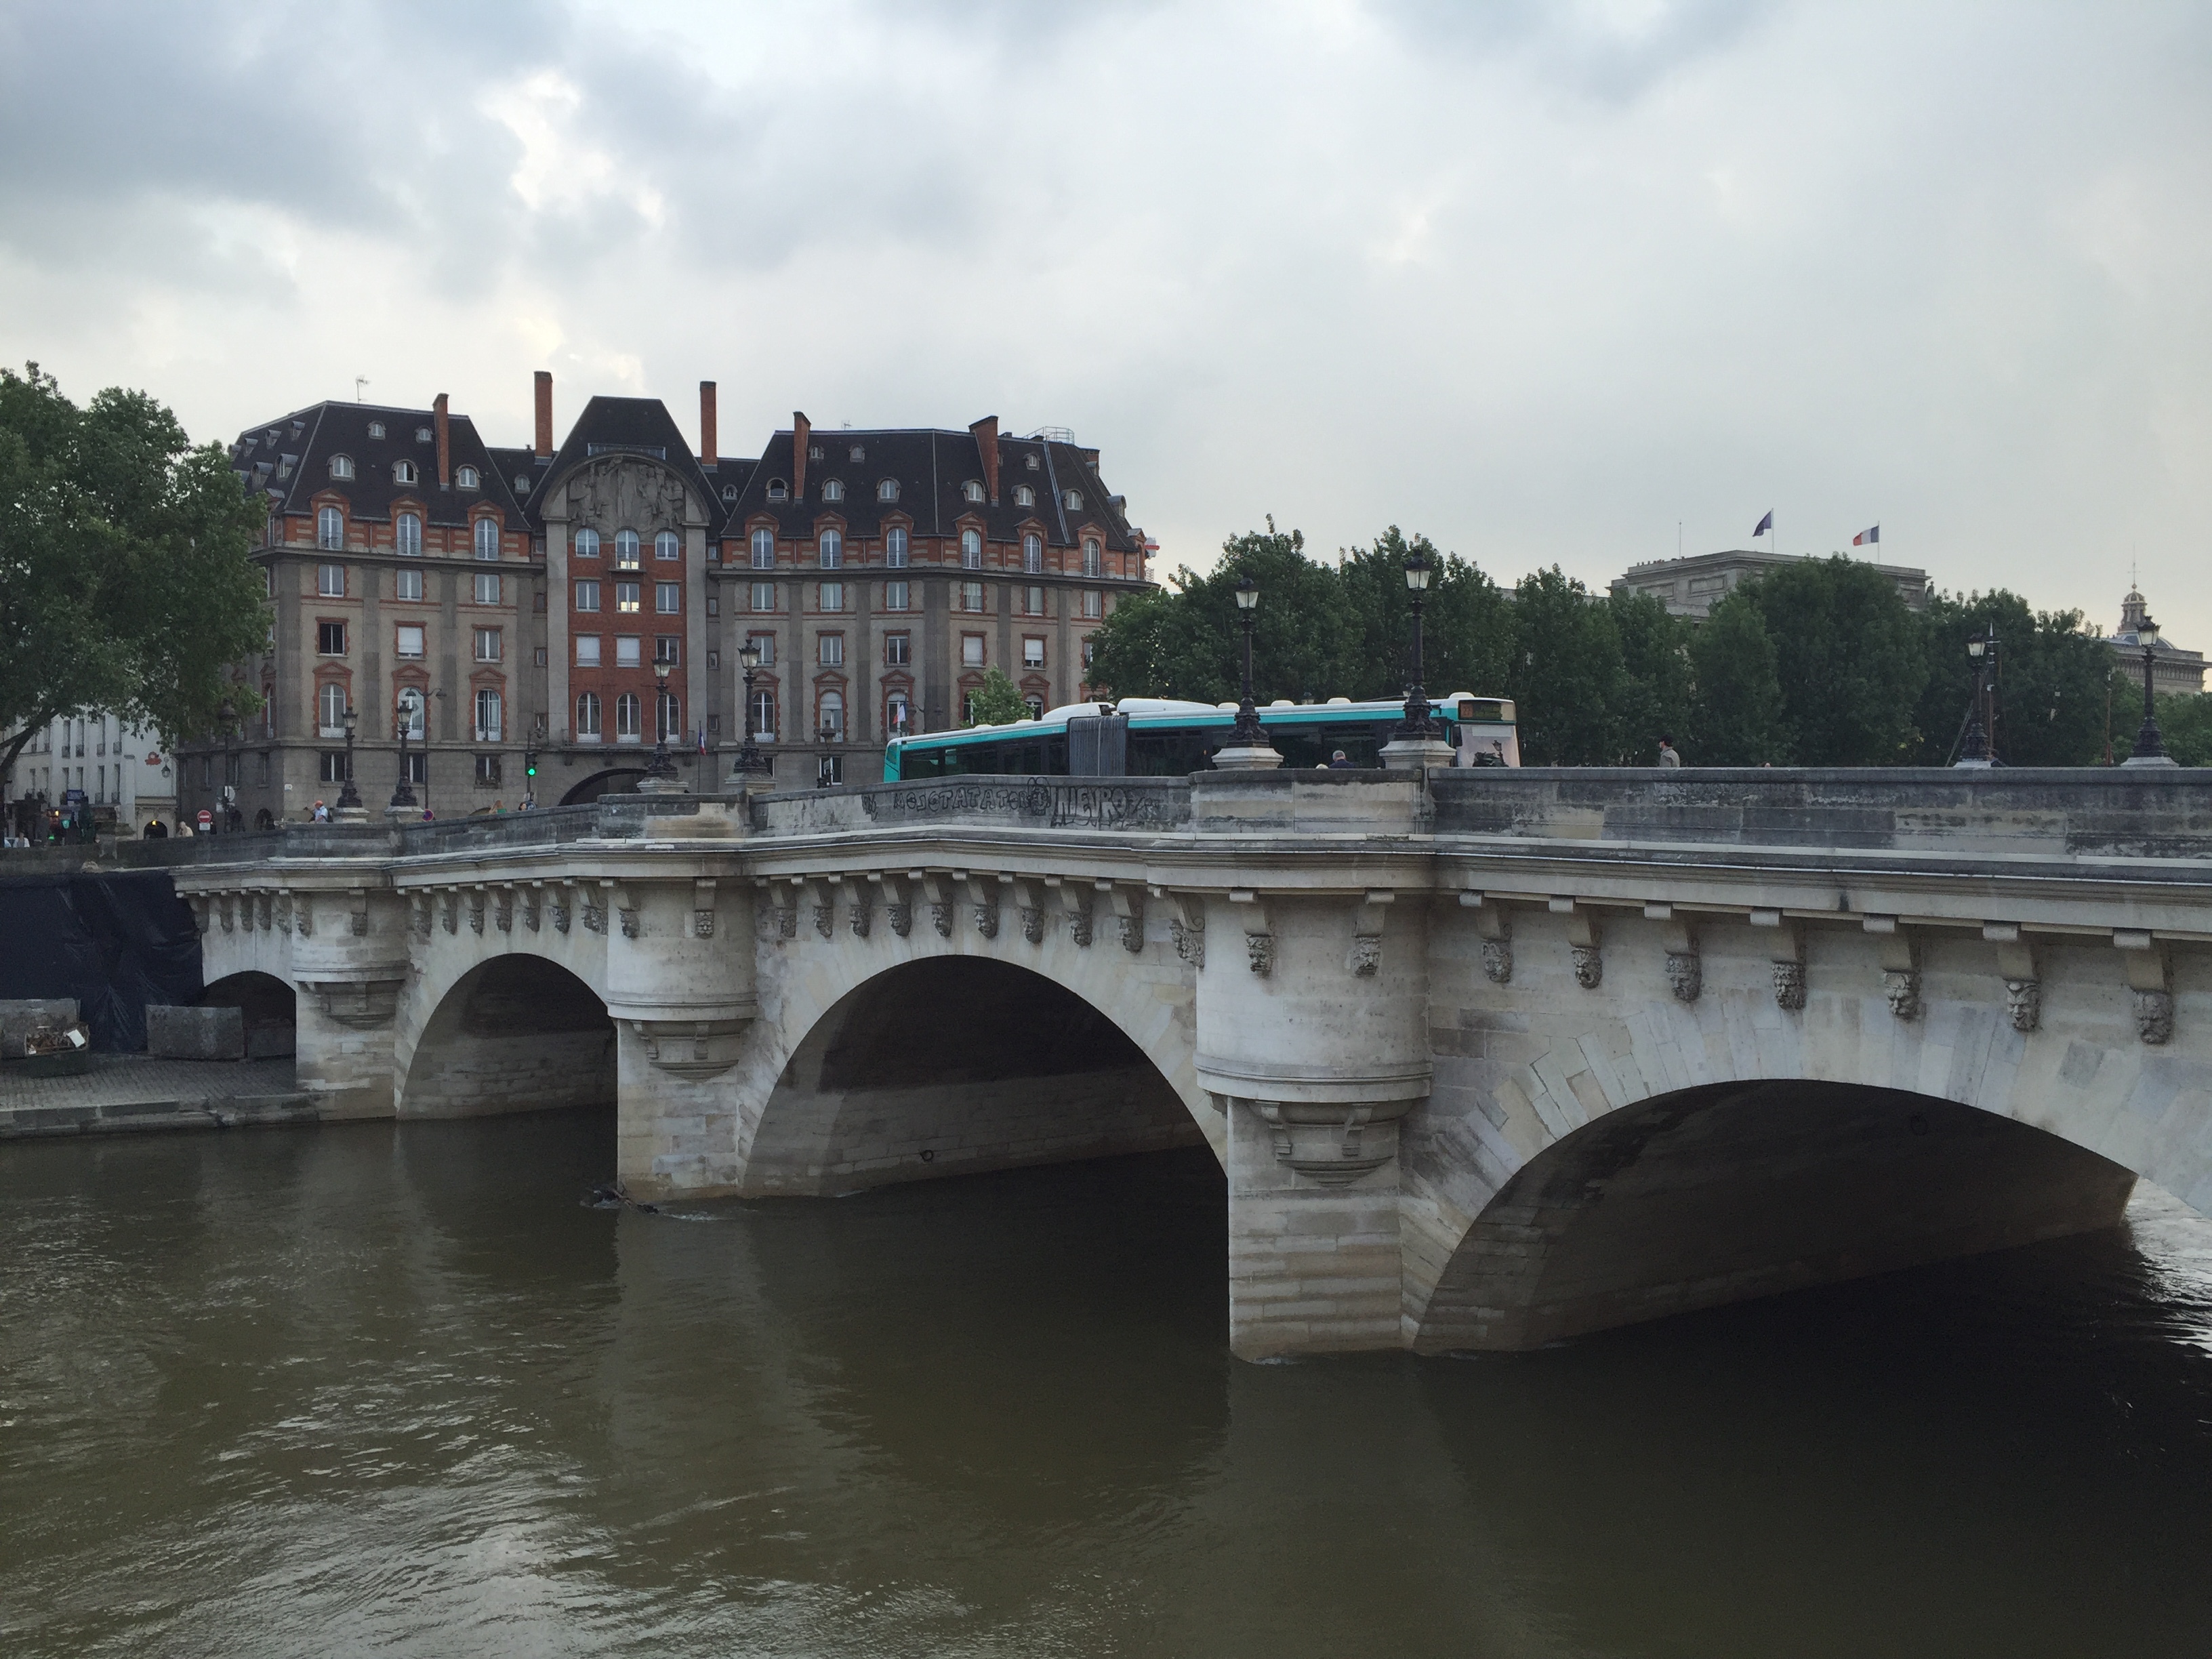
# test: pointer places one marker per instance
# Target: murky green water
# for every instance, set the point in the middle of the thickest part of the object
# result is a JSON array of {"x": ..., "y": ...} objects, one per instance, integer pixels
[{"x": 376, "y": 1390}]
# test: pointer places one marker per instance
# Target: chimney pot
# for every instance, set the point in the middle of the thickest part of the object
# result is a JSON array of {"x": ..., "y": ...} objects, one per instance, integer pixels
[
  {"x": 445, "y": 442},
  {"x": 802, "y": 430},
  {"x": 544, "y": 413},
  {"x": 706, "y": 424},
  {"x": 986, "y": 433}
]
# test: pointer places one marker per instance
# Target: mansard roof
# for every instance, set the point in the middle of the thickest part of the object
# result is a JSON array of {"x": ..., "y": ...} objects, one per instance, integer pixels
[
  {"x": 930, "y": 467},
  {"x": 631, "y": 426},
  {"x": 289, "y": 459}
]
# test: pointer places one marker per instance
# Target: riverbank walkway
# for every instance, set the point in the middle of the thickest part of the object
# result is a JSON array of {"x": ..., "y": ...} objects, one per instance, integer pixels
[{"x": 135, "y": 1092}]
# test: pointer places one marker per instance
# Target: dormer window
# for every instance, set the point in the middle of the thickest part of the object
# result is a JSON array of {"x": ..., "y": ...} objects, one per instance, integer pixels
[
  {"x": 1074, "y": 501},
  {"x": 521, "y": 485},
  {"x": 887, "y": 490},
  {"x": 341, "y": 466},
  {"x": 422, "y": 435},
  {"x": 814, "y": 452},
  {"x": 859, "y": 454},
  {"x": 465, "y": 478},
  {"x": 833, "y": 489},
  {"x": 779, "y": 489},
  {"x": 1024, "y": 496},
  {"x": 402, "y": 472},
  {"x": 376, "y": 429},
  {"x": 1030, "y": 462},
  {"x": 729, "y": 492},
  {"x": 973, "y": 490}
]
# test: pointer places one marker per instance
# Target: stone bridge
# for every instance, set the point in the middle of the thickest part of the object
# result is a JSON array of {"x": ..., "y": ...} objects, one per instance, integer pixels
[{"x": 1489, "y": 1058}]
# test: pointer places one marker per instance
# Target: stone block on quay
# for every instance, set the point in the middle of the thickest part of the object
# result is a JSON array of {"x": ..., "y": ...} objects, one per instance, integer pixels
[
  {"x": 195, "y": 1033},
  {"x": 19, "y": 1018},
  {"x": 271, "y": 1041}
]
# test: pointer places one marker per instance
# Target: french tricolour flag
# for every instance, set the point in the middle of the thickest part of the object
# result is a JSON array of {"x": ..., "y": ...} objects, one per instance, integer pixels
[{"x": 1866, "y": 538}]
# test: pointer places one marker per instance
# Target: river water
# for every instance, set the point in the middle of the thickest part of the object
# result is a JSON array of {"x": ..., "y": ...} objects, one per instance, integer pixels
[{"x": 394, "y": 1390}]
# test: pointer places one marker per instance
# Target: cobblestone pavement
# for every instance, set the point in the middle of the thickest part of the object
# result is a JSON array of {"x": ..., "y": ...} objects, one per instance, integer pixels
[{"x": 131, "y": 1079}]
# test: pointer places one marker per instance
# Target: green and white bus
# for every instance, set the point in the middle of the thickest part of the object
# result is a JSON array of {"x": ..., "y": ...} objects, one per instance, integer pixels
[{"x": 1160, "y": 737}]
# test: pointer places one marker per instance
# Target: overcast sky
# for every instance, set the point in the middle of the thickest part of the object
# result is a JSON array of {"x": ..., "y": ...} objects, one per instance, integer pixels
[{"x": 1544, "y": 281}]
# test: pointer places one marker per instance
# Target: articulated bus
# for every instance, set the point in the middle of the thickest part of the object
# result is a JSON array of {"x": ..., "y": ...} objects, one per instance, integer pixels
[{"x": 1159, "y": 737}]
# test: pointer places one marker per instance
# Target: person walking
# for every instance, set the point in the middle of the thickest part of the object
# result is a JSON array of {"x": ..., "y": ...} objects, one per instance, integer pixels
[{"x": 1668, "y": 757}]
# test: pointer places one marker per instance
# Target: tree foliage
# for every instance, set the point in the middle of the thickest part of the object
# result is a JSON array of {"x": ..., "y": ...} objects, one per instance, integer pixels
[
  {"x": 125, "y": 584},
  {"x": 997, "y": 700},
  {"x": 1736, "y": 707},
  {"x": 2053, "y": 683}
]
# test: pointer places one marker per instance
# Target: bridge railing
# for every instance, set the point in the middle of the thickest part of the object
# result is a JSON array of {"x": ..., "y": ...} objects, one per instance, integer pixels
[
  {"x": 2079, "y": 812},
  {"x": 1143, "y": 806}
]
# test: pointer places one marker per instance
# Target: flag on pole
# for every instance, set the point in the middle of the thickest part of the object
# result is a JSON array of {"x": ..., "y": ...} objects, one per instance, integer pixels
[
  {"x": 702, "y": 738},
  {"x": 1866, "y": 538},
  {"x": 1765, "y": 524}
]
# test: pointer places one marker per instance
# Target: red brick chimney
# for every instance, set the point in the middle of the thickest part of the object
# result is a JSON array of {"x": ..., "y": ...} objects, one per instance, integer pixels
[
  {"x": 986, "y": 432},
  {"x": 445, "y": 442},
  {"x": 801, "y": 430},
  {"x": 707, "y": 423},
  {"x": 545, "y": 414}
]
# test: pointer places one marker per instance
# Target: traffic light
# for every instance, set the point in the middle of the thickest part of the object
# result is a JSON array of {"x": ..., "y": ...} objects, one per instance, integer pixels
[{"x": 530, "y": 763}]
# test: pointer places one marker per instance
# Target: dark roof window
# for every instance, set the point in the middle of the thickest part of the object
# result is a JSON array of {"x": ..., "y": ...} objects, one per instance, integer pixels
[
  {"x": 1024, "y": 496},
  {"x": 779, "y": 489},
  {"x": 1030, "y": 462},
  {"x": 1074, "y": 501},
  {"x": 466, "y": 477},
  {"x": 422, "y": 435},
  {"x": 833, "y": 489},
  {"x": 341, "y": 466},
  {"x": 402, "y": 472},
  {"x": 729, "y": 492},
  {"x": 814, "y": 452},
  {"x": 887, "y": 490},
  {"x": 521, "y": 485},
  {"x": 972, "y": 490},
  {"x": 376, "y": 429},
  {"x": 859, "y": 454}
]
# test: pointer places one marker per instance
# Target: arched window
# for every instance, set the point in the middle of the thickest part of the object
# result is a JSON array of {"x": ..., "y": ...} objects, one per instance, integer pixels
[
  {"x": 1074, "y": 501},
  {"x": 587, "y": 544},
  {"x": 971, "y": 550},
  {"x": 833, "y": 716},
  {"x": 1024, "y": 496},
  {"x": 408, "y": 534},
  {"x": 763, "y": 549},
  {"x": 898, "y": 714},
  {"x": 895, "y": 547},
  {"x": 486, "y": 539},
  {"x": 778, "y": 490},
  {"x": 671, "y": 716},
  {"x": 330, "y": 708},
  {"x": 629, "y": 713},
  {"x": 466, "y": 479},
  {"x": 588, "y": 714},
  {"x": 341, "y": 466},
  {"x": 410, "y": 711},
  {"x": 833, "y": 489},
  {"x": 402, "y": 472},
  {"x": 973, "y": 490},
  {"x": 1090, "y": 556},
  {"x": 626, "y": 548},
  {"x": 887, "y": 490},
  {"x": 1033, "y": 554},
  {"x": 763, "y": 717},
  {"x": 832, "y": 550},
  {"x": 664, "y": 546},
  {"x": 376, "y": 429},
  {"x": 1035, "y": 706},
  {"x": 330, "y": 528}
]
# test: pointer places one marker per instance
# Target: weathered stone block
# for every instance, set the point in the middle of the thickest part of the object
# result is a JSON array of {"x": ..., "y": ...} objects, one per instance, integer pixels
[
  {"x": 271, "y": 1041},
  {"x": 195, "y": 1033},
  {"x": 18, "y": 1019}
]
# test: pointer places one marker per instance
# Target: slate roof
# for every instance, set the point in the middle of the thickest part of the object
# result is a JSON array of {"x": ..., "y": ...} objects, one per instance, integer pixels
[
  {"x": 289, "y": 460},
  {"x": 633, "y": 426},
  {"x": 931, "y": 466}
]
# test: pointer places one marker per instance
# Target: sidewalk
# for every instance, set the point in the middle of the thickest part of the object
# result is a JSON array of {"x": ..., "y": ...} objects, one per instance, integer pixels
[{"x": 128, "y": 1092}]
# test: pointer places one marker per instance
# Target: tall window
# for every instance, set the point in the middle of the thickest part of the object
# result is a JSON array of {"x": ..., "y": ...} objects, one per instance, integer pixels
[
  {"x": 402, "y": 472},
  {"x": 330, "y": 641},
  {"x": 973, "y": 490},
  {"x": 1024, "y": 496},
  {"x": 587, "y": 596},
  {"x": 1074, "y": 501},
  {"x": 330, "y": 528},
  {"x": 670, "y": 713},
  {"x": 330, "y": 708},
  {"x": 894, "y": 596},
  {"x": 833, "y": 716},
  {"x": 587, "y": 650},
  {"x": 626, "y": 548},
  {"x": 1033, "y": 600},
  {"x": 895, "y": 547},
  {"x": 407, "y": 640},
  {"x": 766, "y": 643},
  {"x": 411, "y": 584},
  {"x": 763, "y": 596},
  {"x": 487, "y": 645},
  {"x": 667, "y": 647},
  {"x": 588, "y": 714},
  {"x": 763, "y": 716},
  {"x": 587, "y": 545},
  {"x": 628, "y": 652},
  {"x": 409, "y": 537},
  {"x": 1093, "y": 605},
  {"x": 898, "y": 714},
  {"x": 487, "y": 589},
  {"x": 971, "y": 596},
  {"x": 664, "y": 546},
  {"x": 763, "y": 549},
  {"x": 330, "y": 581},
  {"x": 1090, "y": 556},
  {"x": 1033, "y": 554},
  {"x": 630, "y": 716},
  {"x": 833, "y": 650},
  {"x": 832, "y": 550},
  {"x": 833, "y": 596},
  {"x": 628, "y": 596},
  {"x": 487, "y": 539},
  {"x": 667, "y": 597},
  {"x": 972, "y": 650},
  {"x": 971, "y": 550},
  {"x": 898, "y": 650},
  {"x": 1032, "y": 650},
  {"x": 488, "y": 715}
]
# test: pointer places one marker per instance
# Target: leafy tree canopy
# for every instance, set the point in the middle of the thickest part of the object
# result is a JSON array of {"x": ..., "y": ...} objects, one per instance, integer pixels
[
  {"x": 2053, "y": 680},
  {"x": 125, "y": 584},
  {"x": 1851, "y": 658},
  {"x": 997, "y": 700}
]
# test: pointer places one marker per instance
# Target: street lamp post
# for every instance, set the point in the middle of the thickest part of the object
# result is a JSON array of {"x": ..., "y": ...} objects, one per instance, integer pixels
[
  {"x": 2150, "y": 747},
  {"x": 1974, "y": 750},
  {"x": 1418, "y": 742},
  {"x": 403, "y": 710},
  {"x": 750, "y": 763},
  {"x": 348, "y": 809},
  {"x": 660, "y": 770},
  {"x": 1248, "y": 748}
]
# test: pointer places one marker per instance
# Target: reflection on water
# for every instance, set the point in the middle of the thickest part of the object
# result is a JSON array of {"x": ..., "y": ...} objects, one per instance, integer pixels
[{"x": 392, "y": 1390}]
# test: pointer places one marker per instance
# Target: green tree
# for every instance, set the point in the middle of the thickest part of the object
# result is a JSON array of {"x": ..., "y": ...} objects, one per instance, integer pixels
[
  {"x": 1653, "y": 688},
  {"x": 2184, "y": 724},
  {"x": 997, "y": 700},
  {"x": 2053, "y": 680},
  {"x": 1851, "y": 660},
  {"x": 1467, "y": 632},
  {"x": 125, "y": 584},
  {"x": 1736, "y": 707},
  {"x": 1567, "y": 676}
]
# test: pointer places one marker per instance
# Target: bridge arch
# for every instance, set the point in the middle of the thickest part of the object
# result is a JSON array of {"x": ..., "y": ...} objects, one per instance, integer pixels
[
  {"x": 514, "y": 1032},
  {"x": 943, "y": 1057},
  {"x": 268, "y": 1006}
]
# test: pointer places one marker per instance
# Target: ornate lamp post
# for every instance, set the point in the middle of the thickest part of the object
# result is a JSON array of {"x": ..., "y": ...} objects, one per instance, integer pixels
[
  {"x": 2150, "y": 747},
  {"x": 660, "y": 770},
  {"x": 1418, "y": 742},
  {"x": 348, "y": 809},
  {"x": 1247, "y": 748},
  {"x": 404, "y": 709},
  {"x": 1981, "y": 651},
  {"x": 750, "y": 762}
]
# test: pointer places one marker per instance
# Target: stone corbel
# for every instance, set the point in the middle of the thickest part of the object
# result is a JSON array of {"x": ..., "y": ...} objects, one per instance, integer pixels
[
  {"x": 1259, "y": 931},
  {"x": 629, "y": 908},
  {"x": 860, "y": 907},
  {"x": 2150, "y": 980},
  {"x": 1186, "y": 924},
  {"x": 475, "y": 902},
  {"x": 1899, "y": 954},
  {"x": 418, "y": 914},
  {"x": 1366, "y": 957},
  {"x": 1128, "y": 902},
  {"x": 502, "y": 908},
  {"x": 283, "y": 910},
  {"x": 265, "y": 909},
  {"x": 1686, "y": 963},
  {"x": 2016, "y": 966},
  {"x": 941, "y": 892},
  {"x": 1333, "y": 1145},
  {"x": 1028, "y": 899},
  {"x": 533, "y": 900},
  {"x": 1493, "y": 926},
  {"x": 360, "y": 1003},
  {"x": 1786, "y": 951},
  {"x": 200, "y": 911},
  {"x": 449, "y": 909},
  {"x": 1075, "y": 899},
  {"x": 563, "y": 905},
  {"x": 703, "y": 906},
  {"x": 593, "y": 896},
  {"x": 821, "y": 896},
  {"x": 303, "y": 914},
  {"x": 898, "y": 899},
  {"x": 224, "y": 904},
  {"x": 982, "y": 889},
  {"x": 691, "y": 1048},
  {"x": 357, "y": 912},
  {"x": 1585, "y": 942}
]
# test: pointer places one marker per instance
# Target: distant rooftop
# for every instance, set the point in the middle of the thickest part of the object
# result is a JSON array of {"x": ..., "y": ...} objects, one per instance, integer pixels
[{"x": 1689, "y": 587}]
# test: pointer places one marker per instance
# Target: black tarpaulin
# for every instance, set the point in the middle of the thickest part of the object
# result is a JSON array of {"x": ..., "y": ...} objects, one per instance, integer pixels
[{"x": 115, "y": 942}]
